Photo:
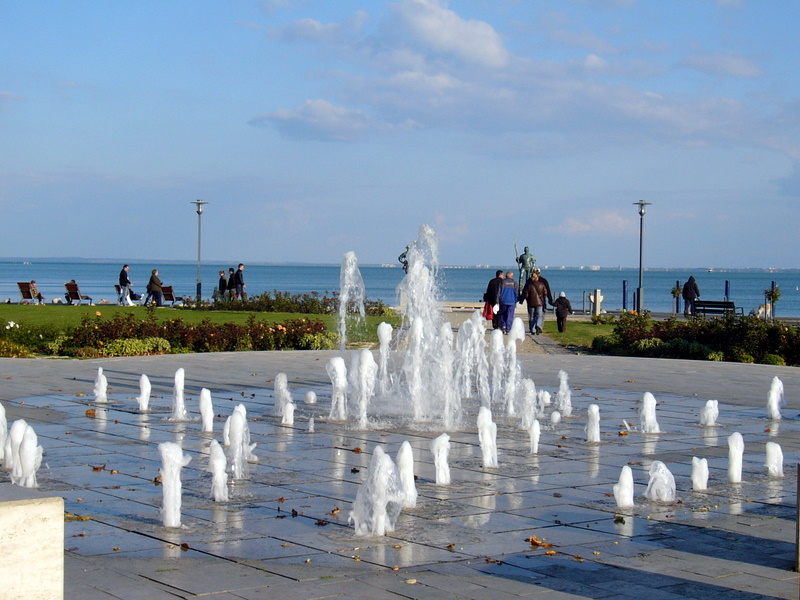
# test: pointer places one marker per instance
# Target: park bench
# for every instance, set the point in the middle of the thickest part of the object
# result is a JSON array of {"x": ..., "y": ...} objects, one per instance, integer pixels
[
  {"x": 716, "y": 307},
  {"x": 73, "y": 294},
  {"x": 169, "y": 295}
]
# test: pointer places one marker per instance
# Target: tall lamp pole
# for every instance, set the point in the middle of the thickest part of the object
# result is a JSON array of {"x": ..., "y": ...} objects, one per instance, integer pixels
[
  {"x": 640, "y": 290},
  {"x": 199, "y": 207}
]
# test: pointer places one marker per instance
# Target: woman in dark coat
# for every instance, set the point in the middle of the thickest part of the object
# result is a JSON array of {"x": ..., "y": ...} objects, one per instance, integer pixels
[
  {"x": 690, "y": 293},
  {"x": 154, "y": 288}
]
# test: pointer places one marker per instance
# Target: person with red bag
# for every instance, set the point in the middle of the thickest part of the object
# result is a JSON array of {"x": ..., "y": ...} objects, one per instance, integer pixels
[{"x": 492, "y": 299}]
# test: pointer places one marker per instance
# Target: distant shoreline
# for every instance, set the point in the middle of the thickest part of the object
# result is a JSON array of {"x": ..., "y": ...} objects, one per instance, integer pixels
[{"x": 136, "y": 261}]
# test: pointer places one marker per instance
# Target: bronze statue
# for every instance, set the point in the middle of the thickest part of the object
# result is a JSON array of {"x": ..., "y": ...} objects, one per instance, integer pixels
[{"x": 527, "y": 263}]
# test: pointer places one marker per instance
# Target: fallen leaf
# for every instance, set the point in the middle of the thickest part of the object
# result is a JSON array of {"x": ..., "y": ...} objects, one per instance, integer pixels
[
  {"x": 294, "y": 513},
  {"x": 321, "y": 523},
  {"x": 90, "y": 412},
  {"x": 354, "y": 470},
  {"x": 397, "y": 546},
  {"x": 308, "y": 560},
  {"x": 623, "y": 433},
  {"x": 578, "y": 558},
  {"x": 395, "y": 568},
  {"x": 550, "y": 553},
  {"x": 335, "y": 511},
  {"x": 631, "y": 381},
  {"x": 451, "y": 546},
  {"x": 98, "y": 468},
  {"x": 185, "y": 547},
  {"x": 116, "y": 549},
  {"x": 410, "y": 581},
  {"x": 281, "y": 499},
  {"x": 114, "y": 472},
  {"x": 535, "y": 541},
  {"x": 357, "y": 450}
]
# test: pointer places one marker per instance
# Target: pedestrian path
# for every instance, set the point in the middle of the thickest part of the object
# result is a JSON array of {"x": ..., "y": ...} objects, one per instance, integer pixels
[{"x": 539, "y": 526}]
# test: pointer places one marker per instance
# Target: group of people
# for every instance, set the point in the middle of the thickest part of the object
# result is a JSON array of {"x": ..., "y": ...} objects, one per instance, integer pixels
[
  {"x": 503, "y": 294},
  {"x": 231, "y": 286},
  {"x": 154, "y": 292}
]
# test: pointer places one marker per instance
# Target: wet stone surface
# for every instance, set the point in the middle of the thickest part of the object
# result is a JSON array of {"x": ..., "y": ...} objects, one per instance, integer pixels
[{"x": 287, "y": 520}]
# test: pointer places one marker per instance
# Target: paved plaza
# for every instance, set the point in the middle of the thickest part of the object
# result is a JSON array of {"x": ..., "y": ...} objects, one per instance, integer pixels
[{"x": 285, "y": 533}]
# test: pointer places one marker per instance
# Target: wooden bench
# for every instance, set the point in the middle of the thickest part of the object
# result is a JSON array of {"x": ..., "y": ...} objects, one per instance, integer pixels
[
  {"x": 169, "y": 295},
  {"x": 716, "y": 307},
  {"x": 25, "y": 292},
  {"x": 74, "y": 295}
]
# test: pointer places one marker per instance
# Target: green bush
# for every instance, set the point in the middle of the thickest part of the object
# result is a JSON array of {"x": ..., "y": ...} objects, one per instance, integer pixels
[
  {"x": 734, "y": 338},
  {"x": 9, "y": 349},
  {"x": 312, "y": 303},
  {"x": 773, "y": 359},
  {"x": 136, "y": 347}
]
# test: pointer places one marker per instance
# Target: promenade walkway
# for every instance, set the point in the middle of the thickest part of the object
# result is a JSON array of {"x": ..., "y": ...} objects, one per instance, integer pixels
[{"x": 284, "y": 533}]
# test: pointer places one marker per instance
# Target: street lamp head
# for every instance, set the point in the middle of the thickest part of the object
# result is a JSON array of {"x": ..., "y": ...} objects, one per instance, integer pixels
[
  {"x": 199, "y": 205},
  {"x": 641, "y": 204}
]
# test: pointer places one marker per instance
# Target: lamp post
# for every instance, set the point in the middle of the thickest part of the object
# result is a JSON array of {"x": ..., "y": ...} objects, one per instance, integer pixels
[
  {"x": 199, "y": 207},
  {"x": 640, "y": 290}
]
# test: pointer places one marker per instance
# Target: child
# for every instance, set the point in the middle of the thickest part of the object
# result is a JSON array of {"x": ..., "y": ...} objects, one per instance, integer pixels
[{"x": 563, "y": 308}]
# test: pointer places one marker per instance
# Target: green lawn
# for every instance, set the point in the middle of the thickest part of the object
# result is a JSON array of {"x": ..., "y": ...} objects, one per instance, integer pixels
[{"x": 579, "y": 334}]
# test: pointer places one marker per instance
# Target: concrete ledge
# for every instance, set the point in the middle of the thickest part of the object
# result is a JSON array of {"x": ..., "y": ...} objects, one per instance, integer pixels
[{"x": 32, "y": 542}]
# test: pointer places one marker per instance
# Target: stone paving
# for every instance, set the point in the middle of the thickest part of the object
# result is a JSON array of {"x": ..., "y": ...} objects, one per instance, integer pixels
[{"x": 285, "y": 533}]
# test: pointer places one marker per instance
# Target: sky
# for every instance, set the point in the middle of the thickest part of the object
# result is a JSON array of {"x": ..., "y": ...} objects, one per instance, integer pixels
[{"x": 317, "y": 127}]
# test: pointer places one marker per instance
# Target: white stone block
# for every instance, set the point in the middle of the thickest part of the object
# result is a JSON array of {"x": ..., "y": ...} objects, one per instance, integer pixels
[{"x": 32, "y": 543}]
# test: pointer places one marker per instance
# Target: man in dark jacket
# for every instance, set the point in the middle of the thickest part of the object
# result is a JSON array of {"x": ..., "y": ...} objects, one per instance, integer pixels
[
  {"x": 240, "y": 293},
  {"x": 492, "y": 295},
  {"x": 535, "y": 294},
  {"x": 125, "y": 286},
  {"x": 691, "y": 292}
]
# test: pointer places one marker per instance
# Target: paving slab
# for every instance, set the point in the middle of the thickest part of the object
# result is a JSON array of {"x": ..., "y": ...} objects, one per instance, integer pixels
[{"x": 285, "y": 531}]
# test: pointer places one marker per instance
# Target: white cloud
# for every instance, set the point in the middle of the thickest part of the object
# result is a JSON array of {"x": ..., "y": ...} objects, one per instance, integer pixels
[
  {"x": 318, "y": 120},
  {"x": 310, "y": 29},
  {"x": 437, "y": 27},
  {"x": 729, "y": 64},
  {"x": 609, "y": 223},
  {"x": 9, "y": 97}
]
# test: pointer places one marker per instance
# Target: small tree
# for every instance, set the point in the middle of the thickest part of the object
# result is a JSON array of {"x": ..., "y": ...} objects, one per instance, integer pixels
[{"x": 771, "y": 296}]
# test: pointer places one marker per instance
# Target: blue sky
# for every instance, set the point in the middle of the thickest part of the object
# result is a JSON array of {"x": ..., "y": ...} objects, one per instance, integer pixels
[{"x": 316, "y": 127}]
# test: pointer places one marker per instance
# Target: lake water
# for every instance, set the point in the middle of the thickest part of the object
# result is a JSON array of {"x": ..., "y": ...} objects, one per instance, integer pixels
[{"x": 97, "y": 279}]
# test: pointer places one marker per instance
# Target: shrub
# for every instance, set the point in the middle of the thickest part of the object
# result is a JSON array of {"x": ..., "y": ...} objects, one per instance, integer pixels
[
  {"x": 773, "y": 359},
  {"x": 308, "y": 303},
  {"x": 136, "y": 347},
  {"x": 9, "y": 349}
]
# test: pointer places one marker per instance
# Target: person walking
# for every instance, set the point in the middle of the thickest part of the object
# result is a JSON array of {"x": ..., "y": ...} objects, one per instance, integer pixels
[
  {"x": 563, "y": 308},
  {"x": 492, "y": 296},
  {"x": 548, "y": 297},
  {"x": 535, "y": 294},
  {"x": 691, "y": 292},
  {"x": 154, "y": 289},
  {"x": 240, "y": 286},
  {"x": 125, "y": 287},
  {"x": 222, "y": 287},
  {"x": 508, "y": 300},
  {"x": 231, "y": 283}
]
